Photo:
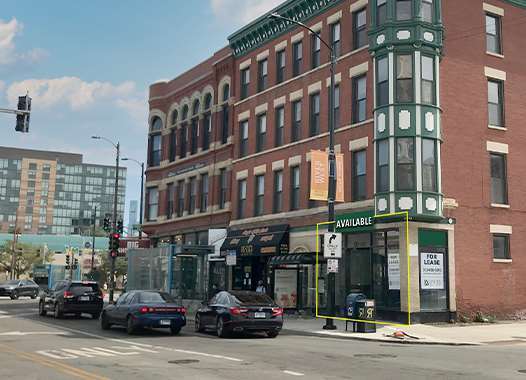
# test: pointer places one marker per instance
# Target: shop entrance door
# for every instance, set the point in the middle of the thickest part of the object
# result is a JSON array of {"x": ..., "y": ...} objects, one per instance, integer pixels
[{"x": 359, "y": 272}]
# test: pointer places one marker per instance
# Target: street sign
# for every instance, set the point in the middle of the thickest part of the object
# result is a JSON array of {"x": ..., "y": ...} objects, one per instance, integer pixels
[
  {"x": 332, "y": 245},
  {"x": 87, "y": 244},
  {"x": 231, "y": 258},
  {"x": 332, "y": 265}
]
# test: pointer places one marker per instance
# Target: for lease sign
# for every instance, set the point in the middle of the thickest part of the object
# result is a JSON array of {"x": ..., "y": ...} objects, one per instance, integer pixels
[{"x": 432, "y": 270}]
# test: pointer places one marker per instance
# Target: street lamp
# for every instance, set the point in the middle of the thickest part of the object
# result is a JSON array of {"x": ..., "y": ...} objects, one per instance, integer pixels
[
  {"x": 329, "y": 323},
  {"x": 141, "y": 164},
  {"x": 116, "y": 190}
]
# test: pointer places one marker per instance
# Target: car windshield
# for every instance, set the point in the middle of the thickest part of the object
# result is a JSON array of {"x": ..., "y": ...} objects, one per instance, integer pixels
[
  {"x": 251, "y": 298},
  {"x": 79, "y": 289},
  {"x": 12, "y": 282},
  {"x": 155, "y": 297}
]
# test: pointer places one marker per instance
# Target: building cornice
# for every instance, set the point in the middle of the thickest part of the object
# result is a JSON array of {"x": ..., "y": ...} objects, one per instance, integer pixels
[{"x": 517, "y": 3}]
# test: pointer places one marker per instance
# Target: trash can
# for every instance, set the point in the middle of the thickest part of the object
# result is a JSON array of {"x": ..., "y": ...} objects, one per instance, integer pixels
[{"x": 365, "y": 310}]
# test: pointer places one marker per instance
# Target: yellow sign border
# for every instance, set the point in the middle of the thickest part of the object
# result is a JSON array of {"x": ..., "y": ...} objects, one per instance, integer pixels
[{"x": 404, "y": 213}]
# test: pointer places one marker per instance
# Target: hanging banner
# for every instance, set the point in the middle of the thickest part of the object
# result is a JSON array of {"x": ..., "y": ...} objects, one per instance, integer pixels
[
  {"x": 319, "y": 175},
  {"x": 340, "y": 186}
]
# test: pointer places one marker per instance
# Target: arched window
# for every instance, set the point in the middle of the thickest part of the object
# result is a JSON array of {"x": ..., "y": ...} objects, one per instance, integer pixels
[
  {"x": 157, "y": 124},
  {"x": 185, "y": 112},
  {"x": 226, "y": 92},
  {"x": 174, "y": 117},
  {"x": 208, "y": 101},
  {"x": 195, "y": 108}
]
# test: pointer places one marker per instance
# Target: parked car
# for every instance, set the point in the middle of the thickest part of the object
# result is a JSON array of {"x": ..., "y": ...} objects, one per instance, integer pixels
[
  {"x": 240, "y": 311},
  {"x": 72, "y": 297},
  {"x": 142, "y": 308},
  {"x": 17, "y": 288}
]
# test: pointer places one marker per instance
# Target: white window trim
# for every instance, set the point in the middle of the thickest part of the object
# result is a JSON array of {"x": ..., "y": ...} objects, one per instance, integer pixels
[
  {"x": 281, "y": 46},
  {"x": 334, "y": 18},
  {"x": 243, "y": 65},
  {"x": 503, "y": 261},
  {"x": 492, "y": 9},
  {"x": 261, "y": 169},
  {"x": 263, "y": 55},
  {"x": 500, "y": 229},
  {"x": 297, "y": 37},
  {"x": 358, "y": 144},
  {"x": 357, "y": 6},
  {"x": 243, "y": 174},
  {"x": 494, "y": 73},
  {"x": 315, "y": 87},
  {"x": 357, "y": 70},
  {"x": 337, "y": 79},
  {"x": 294, "y": 161},
  {"x": 262, "y": 108},
  {"x": 316, "y": 27},
  {"x": 243, "y": 116},
  {"x": 496, "y": 147}
]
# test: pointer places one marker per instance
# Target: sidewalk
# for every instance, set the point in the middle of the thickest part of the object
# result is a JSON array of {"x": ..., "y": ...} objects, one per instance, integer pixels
[{"x": 444, "y": 334}]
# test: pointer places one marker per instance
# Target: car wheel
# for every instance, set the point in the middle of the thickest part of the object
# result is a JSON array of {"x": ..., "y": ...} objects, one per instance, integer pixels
[
  {"x": 220, "y": 328},
  {"x": 57, "y": 312},
  {"x": 14, "y": 295},
  {"x": 174, "y": 330},
  {"x": 34, "y": 295},
  {"x": 41, "y": 310},
  {"x": 198, "y": 327},
  {"x": 95, "y": 315},
  {"x": 272, "y": 334},
  {"x": 130, "y": 328},
  {"x": 104, "y": 323}
]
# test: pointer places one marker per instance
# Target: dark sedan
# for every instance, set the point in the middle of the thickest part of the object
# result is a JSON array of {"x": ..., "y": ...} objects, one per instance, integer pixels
[
  {"x": 17, "y": 288},
  {"x": 240, "y": 311},
  {"x": 139, "y": 308}
]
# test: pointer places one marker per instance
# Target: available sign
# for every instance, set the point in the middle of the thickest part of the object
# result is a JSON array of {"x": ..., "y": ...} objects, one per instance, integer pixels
[
  {"x": 432, "y": 270},
  {"x": 355, "y": 222}
]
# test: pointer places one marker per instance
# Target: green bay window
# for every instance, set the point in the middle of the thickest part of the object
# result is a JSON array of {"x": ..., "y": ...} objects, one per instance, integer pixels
[
  {"x": 428, "y": 80},
  {"x": 429, "y": 165},
  {"x": 381, "y": 12},
  {"x": 404, "y": 78},
  {"x": 382, "y": 85},
  {"x": 427, "y": 10},
  {"x": 405, "y": 164},
  {"x": 404, "y": 10}
]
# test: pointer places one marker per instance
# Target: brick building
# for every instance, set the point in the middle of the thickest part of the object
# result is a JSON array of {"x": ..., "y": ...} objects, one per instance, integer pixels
[{"x": 421, "y": 123}]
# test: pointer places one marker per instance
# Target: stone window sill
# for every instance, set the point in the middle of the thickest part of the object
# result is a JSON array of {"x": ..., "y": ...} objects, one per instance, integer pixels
[
  {"x": 503, "y": 261},
  {"x": 498, "y": 205},
  {"x": 497, "y": 55},
  {"x": 497, "y": 127}
]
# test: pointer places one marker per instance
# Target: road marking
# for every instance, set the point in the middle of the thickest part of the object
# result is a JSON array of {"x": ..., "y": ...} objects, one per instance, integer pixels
[
  {"x": 20, "y": 333},
  {"x": 293, "y": 373},
  {"x": 3, "y": 312},
  {"x": 15, "y": 316},
  {"x": 200, "y": 354}
]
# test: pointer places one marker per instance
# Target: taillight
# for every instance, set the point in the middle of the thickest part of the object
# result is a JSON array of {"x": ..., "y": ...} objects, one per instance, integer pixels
[
  {"x": 144, "y": 310},
  {"x": 277, "y": 311},
  {"x": 238, "y": 311},
  {"x": 182, "y": 310},
  {"x": 68, "y": 294}
]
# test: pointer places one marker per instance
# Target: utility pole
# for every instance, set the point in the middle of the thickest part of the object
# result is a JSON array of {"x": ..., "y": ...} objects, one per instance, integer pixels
[
  {"x": 93, "y": 242},
  {"x": 115, "y": 198},
  {"x": 13, "y": 256}
]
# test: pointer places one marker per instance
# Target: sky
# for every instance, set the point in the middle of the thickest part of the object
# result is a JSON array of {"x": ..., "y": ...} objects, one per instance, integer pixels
[{"x": 87, "y": 66}]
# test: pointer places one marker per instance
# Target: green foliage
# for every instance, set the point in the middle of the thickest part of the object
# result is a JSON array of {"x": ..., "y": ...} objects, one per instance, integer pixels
[{"x": 25, "y": 256}]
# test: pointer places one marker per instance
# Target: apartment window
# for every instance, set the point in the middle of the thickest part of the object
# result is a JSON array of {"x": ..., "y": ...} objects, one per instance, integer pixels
[
  {"x": 204, "y": 192},
  {"x": 427, "y": 10},
  {"x": 245, "y": 81},
  {"x": 428, "y": 80},
  {"x": 404, "y": 78},
  {"x": 225, "y": 121},
  {"x": 207, "y": 130},
  {"x": 297, "y": 55},
  {"x": 429, "y": 166},
  {"x": 359, "y": 96},
  {"x": 180, "y": 198},
  {"x": 336, "y": 106},
  {"x": 336, "y": 39},
  {"x": 155, "y": 152},
  {"x": 260, "y": 195},
  {"x": 316, "y": 49},
  {"x": 280, "y": 66},
  {"x": 295, "y": 188},
  {"x": 359, "y": 161},
  {"x": 193, "y": 194},
  {"x": 493, "y": 31},
  {"x": 314, "y": 124},
  {"x": 403, "y": 9},
  {"x": 195, "y": 134},
  {"x": 278, "y": 192},
  {"x": 495, "y": 103},
  {"x": 280, "y": 126},
  {"x": 381, "y": 12},
  {"x": 262, "y": 74},
  {"x": 261, "y": 136},
  {"x": 501, "y": 246},
  {"x": 169, "y": 200},
  {"x": 382, "y": 87},
  {"x": 241, "y": 198},
  {"x": 183, "y": 134},
  {"x": 153, "y": 203},
  {"x": 243, "y": 138},
  {"x": 405, "y": 163},
  {"x": 223, "y": 188},
  {"x": 173, "y": 142},
  {"x": 296, "y": 120},
  {"x": 382, "y": 179},
  {"x": 359, "y": 29},
  {"x": 499, "y": 185}
]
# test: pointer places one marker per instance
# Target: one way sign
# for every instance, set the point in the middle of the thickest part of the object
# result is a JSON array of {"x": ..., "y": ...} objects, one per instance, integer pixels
[{"x": 332, "y": 245}]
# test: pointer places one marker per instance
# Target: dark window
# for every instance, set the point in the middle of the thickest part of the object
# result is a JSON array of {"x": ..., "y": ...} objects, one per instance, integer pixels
[
  {"x": 427, "y": 10},
  {"x": 280, "y": 66},
  {"x": 153, "y": 203},
  {"x": 336, "y": 39},
  {"x": 297, "y": 50},
  {"x": 223, "y": 188},
  {"x": 155, "y": 298},
  {"x": 262, "y": 74},
  {"x": 493, "y": 29},
  {"x": 155, "y": 153},
  {"x": 185, "y": 112},
  {"x": 243, "y": 138},
  {"x": 499, "y": 182},
  {"x": 225, "y": 121},
  {"x": 174, "y": 117},
  {"x": 169, "y": 200},
  {"x": 245, "y": 81},
  {"x": 261, "y": 136},
  {"x": 359, "y": 28},
  {"x": 195, "y": 134},
  {"x": 495, "y": 103},
  {"x": 180, "y": 198},
  {"x": 245, "y": 298},
  {"x": 429, "y": 165},
  {"x": 381, "y": 12},
  {"x": 241, "y": 198},
  {"x": 359, "y": 165},
  {"x": 501, "y": 247},
  {"x": 193, "y": 194},
  {"x": 428, "y": 80},
  {"x": 404, "y": 78},
  {"x": 295, "y": 188},
  {"x": 259, "y": 195},
  {"x": 183, "y": 136},
  {"x": 207, "y": 130},
  {"x": 204, "y": 192},
  {"x": 382, "y": 179},
  {"x": 405, "y": 163},
  {"x": 336, "y": 106},
  {"x": 157, "y": 124},
  {"x": 403, "y": 9},
  {"x": 382, "y": 89},
  {"x": 359, "y": 97},
  {"x": 173, "y": 144},
  {"x": 226, "y": 92},
  {"x": 315, "y": 50},
  {"x": 296, "y": 120},
  {"x": 278, "y": 192},
  {"x": 314, "y": 122},
  {"x": 280, "y": 126}
]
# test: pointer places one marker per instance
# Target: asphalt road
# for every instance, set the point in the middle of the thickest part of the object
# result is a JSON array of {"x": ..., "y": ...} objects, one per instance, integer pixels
[{"x": 34, "y": 347}]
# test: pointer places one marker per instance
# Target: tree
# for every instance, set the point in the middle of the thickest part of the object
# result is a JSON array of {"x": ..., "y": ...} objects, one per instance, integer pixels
[
  {"x": 25, "y": 256},
  {"x": 121, "y": 268}
]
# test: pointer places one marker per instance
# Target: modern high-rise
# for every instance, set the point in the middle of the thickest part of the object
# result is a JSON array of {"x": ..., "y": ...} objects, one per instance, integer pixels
[
  {"x": 133, "y": 216},
  {"x": 44, "y": 192}
]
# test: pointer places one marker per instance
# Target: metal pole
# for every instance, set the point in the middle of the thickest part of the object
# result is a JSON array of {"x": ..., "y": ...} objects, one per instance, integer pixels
[
  {"x": 13, "y": 257},
  {"x": 115, "y": 198},
  {"x": 93, "y": 242},
  {"x": 141, "y": 202}
]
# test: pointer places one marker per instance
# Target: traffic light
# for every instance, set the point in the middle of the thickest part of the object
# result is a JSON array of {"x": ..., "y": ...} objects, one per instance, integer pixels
[
  {"x": 76, "y": 264},
  {"x": 120, "y": 227},
  {"x": 115, "y": 242},
  {"x": 106, "y": 224},
  {"x": 22, "y": 120},
  {"x": 67, "y": 261}
]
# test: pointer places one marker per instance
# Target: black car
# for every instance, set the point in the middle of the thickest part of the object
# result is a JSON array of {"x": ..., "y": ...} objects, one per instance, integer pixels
[
  {"x": 240, "y": 311},
  {"x": 17, "y": 288},
  {"x": 142, "y": 308},
  {"x": 72, "y": 297}
]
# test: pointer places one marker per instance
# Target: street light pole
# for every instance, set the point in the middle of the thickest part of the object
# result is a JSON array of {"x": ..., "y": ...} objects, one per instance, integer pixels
[
  {"x": 141, "y": 164},
  {"x": 93, "y": 243},
  {"x": 329, "y": 323}
]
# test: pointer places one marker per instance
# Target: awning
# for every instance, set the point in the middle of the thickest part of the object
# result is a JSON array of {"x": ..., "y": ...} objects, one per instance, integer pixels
[
  {"x": 271, "y": 240},
  {"x": 301, "y": 258}
]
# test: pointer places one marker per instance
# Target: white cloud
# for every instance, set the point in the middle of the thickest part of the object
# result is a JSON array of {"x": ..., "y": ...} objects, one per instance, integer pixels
[
  {"x": 241, "y": 11},
  {"x": 8, "y": 53},
  {"x": 136, "y": 107}
]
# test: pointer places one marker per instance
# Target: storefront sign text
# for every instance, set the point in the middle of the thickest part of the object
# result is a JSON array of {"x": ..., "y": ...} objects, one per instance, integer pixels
[{"x": 358, "y": 221}]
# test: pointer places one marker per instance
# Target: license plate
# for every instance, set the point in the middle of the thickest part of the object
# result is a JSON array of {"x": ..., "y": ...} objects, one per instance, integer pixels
[
  {"x": 260, "y": 315},
  {"x": 165, "y": 322},
  {"x": 84, "y": 298}
]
